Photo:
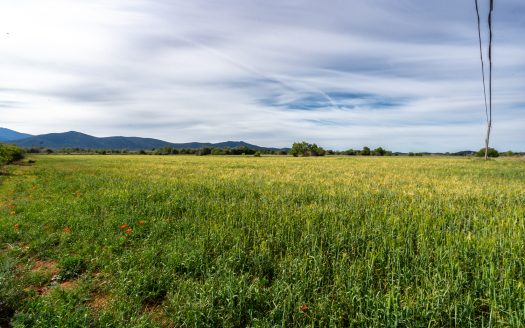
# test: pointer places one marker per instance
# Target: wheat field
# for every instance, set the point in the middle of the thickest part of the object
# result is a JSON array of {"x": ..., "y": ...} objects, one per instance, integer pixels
[{"x": 211, "y": 241}]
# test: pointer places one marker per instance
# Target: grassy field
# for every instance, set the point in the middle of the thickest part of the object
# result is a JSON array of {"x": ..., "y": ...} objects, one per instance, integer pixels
[{"x": 272, "y": 241}]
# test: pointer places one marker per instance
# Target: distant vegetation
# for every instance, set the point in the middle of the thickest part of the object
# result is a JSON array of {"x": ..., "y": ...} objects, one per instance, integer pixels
[{"x": 298, "y": 149}]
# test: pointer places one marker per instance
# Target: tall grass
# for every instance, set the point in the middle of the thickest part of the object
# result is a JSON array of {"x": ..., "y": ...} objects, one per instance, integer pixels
[{"x": 235, "y": 242}]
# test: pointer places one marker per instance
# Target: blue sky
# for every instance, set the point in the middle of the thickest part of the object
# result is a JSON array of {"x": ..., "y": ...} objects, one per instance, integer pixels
[{"x": 401, "y": 74}]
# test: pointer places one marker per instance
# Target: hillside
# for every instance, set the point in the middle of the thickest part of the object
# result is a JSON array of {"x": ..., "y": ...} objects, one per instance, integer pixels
[
  {"x": 73, "y": 139},
  {"x": 10, "y": 135}
]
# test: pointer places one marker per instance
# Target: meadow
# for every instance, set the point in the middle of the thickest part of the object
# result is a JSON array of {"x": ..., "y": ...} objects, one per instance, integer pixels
[{"x": 211, "y": 241}]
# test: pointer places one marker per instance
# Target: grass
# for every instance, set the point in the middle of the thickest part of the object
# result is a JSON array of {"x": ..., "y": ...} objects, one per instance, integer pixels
[{"x": 273, "y": 241}]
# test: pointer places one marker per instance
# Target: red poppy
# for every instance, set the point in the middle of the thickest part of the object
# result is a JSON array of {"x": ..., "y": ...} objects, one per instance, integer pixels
[
  {"x": 123, "y": 226},
  {"x": 67, "y": 229},
  {"x": 128, "y": 230},
  {"x": 303, "y": 307}
]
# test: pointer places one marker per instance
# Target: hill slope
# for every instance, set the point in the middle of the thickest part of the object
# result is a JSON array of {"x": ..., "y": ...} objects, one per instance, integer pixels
[
  {"x": 73, "y": 139},
  {"x": 10, "y": 135}
]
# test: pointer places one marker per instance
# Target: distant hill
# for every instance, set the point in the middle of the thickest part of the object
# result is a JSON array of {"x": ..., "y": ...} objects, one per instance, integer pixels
[
  {"x": 73, "y": 139},
  {"x": 9, "y": 135}
]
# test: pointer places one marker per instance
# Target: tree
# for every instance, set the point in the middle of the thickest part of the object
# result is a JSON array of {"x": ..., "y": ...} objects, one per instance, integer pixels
[
  {"x": 305, "y": 149},
  {"x": 490, "y": 152},
  {"x": 299, "y": 149},
  {"x": 379, "y": 152},
  {"x": 365, "y": 151}
]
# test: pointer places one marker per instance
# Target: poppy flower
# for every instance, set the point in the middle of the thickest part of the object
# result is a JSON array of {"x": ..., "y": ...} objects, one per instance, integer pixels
[
  {"x": 123, "y": 226},
  {"x": 17, "y": 226},
  {"x": 67, "y": 229},
  {"x": 303, "y": 307},
  {"x": 128, "y": 230},
  {"x": 142, "y": 222}
]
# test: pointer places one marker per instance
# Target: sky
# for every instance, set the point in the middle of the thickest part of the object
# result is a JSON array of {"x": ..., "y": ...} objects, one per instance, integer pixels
[{"x": 404, "y": 74}]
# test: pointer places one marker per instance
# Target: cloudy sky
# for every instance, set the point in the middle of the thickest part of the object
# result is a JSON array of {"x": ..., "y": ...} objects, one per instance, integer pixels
[{"x": 401, "y": 74}]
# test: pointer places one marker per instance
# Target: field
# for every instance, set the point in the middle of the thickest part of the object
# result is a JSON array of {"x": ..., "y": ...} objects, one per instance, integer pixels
[{"x": 178, "y": 241}]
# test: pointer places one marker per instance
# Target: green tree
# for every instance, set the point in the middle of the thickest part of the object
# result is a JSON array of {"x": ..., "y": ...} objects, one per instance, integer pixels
[
  {"x": 490, "y": 153},
  {"x": 299, "y": 149},
  {"x": 305, "y": 149},
  {"x": 379, "y": 151},
  {"x": 366, "y": 151}
]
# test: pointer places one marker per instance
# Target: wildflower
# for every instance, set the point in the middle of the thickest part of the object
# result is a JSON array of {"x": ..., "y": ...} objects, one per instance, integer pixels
[
  {"x": 128, "y": 230},
  {"x": 142, "y": 222},
  {"x": 303, "y": 308},
  {"x": 67, "y": 229},
  {"x": 123, "y": 226},
  {"x": 17, "y": 226},
  {"x": 12, "y": 212}
]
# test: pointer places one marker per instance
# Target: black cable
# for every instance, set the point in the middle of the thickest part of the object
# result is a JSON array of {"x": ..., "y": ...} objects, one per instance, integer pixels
[{"x": 482, "y": 62}]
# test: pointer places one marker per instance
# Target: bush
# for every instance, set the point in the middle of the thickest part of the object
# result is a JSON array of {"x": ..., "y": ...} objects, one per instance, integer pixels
[
  {"x": 10, "y": 154},
  {"x": 491, "y": 153}
]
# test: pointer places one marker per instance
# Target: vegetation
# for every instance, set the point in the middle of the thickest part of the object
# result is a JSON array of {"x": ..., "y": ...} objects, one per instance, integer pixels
[
  {"x": 10, "y": 154},
  {"x": 305, "y": 149},
  {"x": 491, "y": 152},
  {"x": 270, "y": 241}
]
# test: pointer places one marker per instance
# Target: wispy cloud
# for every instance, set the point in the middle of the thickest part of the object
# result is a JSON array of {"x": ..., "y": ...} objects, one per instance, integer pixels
[{"x": 401, "y": 74}]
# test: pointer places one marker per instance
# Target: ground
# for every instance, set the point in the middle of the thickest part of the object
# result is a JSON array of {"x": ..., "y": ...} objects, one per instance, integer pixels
[{"x": 175, "y": 241}]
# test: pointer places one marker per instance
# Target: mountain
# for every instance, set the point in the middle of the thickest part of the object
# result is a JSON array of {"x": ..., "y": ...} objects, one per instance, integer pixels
[
  {"x": 9, "y": 135},
  {"x": 73, "y": 139}
]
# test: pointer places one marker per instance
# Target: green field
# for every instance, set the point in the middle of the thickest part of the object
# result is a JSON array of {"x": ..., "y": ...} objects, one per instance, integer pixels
[{"x": 178, "y": 241}]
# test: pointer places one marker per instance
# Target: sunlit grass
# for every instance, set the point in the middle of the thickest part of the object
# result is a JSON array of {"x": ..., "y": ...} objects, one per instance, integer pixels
[{"x": 244, "y": 241}]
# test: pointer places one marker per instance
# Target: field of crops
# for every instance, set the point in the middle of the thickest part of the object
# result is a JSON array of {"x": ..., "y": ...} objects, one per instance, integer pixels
[{"x": 179, "y": 241}]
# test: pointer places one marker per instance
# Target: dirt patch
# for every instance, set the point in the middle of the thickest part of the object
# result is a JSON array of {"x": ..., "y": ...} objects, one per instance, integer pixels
[
  {"x": 47, "y": 266},
  {"x": 99, "y": 302},
  {"x": 68, "y": 284}
]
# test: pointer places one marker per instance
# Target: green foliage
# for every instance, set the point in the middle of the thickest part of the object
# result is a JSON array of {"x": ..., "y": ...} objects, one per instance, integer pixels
[
  {"x": 305, "y": 149},
  {"x": 257, "y": 154},
  {"x": 71, "y": 267},
  {"x": 491, "y": 152},
  {"x": 379, "y": 152},
  {"x": 366, "y": 151},
  {"x": 218, "y": 241},
  {"x": 10, "y": 154}
]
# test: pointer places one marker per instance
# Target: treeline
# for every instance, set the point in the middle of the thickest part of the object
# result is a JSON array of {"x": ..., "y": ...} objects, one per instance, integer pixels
[
  {"x": 242, "y": 150},
  {"x": 302, "y": 149},
  {"x": 306, "y": 149}
]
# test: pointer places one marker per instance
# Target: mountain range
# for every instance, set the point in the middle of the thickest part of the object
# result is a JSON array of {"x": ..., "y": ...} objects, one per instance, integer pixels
[{"x": 73, "y": 139}]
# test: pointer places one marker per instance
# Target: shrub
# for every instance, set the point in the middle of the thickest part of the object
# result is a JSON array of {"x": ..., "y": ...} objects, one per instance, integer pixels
[
  {"x": 10, "y": 154},
  {"x": 492, "y": 152}
]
